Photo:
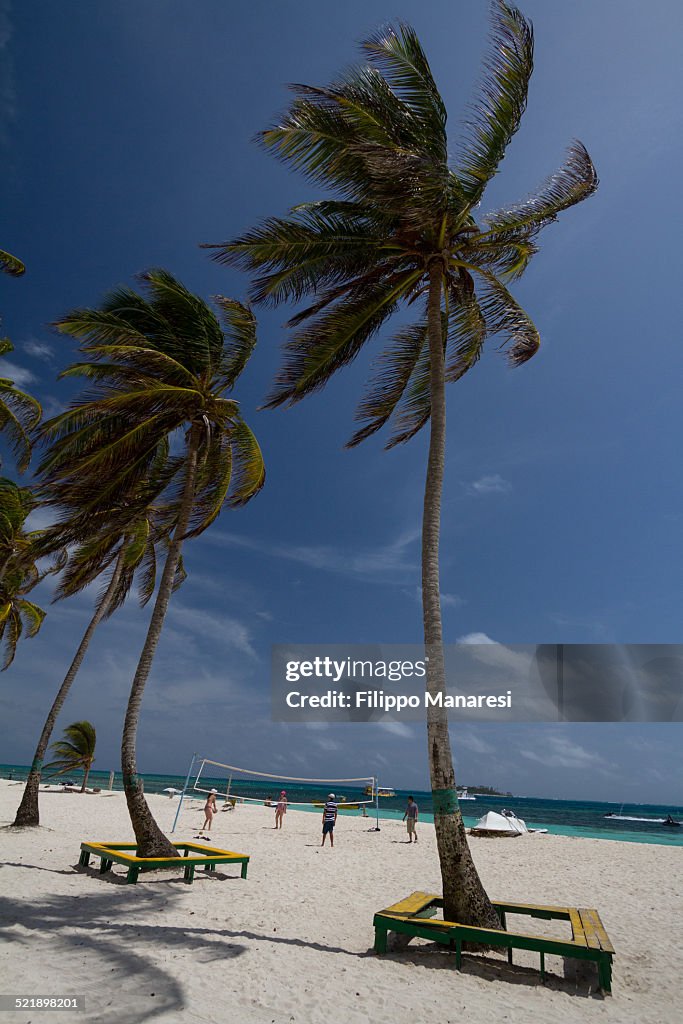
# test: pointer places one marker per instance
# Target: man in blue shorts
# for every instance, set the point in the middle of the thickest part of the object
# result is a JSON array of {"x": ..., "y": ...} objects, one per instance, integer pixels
[{"x": 329, "y": 819}]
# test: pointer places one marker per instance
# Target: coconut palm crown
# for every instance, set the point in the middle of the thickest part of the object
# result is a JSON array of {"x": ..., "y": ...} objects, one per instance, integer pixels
[
  {"x": 75, "y": 751},
  {"x": 377, "y": 139},
  {"x": 158, "y": 363}
]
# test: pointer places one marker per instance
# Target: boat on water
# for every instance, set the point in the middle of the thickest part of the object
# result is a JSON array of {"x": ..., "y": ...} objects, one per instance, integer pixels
[
  {"x": 382, "y": 791},
  {"x": 505, "y": 824},
  {"x": 668, "y": 822},
  {"x": 464, "y": 795}
]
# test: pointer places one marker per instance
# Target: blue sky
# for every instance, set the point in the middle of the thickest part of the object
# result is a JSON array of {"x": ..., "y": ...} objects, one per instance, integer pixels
[{"x": 127, "y": 140}]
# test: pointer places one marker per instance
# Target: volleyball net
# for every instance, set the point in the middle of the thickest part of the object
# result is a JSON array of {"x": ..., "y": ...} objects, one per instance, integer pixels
[{"x": 235, "y": 785}]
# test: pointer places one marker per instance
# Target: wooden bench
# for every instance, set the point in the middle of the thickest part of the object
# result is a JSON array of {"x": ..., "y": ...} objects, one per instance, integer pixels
[
  {"x": 193, "y": 855},
  {"x": 413, "y": 917}
]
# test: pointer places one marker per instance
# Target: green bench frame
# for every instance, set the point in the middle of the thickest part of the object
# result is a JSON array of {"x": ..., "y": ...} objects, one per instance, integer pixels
[
  {"x": 589, "y": 941},
  {"x": 208, "y": 857}
]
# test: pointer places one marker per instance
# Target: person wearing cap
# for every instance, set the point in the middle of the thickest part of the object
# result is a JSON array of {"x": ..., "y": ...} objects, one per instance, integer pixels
[
  {"x": 280, "y": 809},
  {"x": 329, "y": 819},
  {"x": 210, "y": 809}
]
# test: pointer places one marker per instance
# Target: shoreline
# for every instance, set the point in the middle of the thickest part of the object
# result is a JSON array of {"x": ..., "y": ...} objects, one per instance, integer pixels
[{"x": 524, "y": 806}]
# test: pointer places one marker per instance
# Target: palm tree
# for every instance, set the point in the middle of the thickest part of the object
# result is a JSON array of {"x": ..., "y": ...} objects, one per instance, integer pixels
[
  {"x": 160, "y": 363},
  {"x": 10, "y": 264},
  {"x": 19, "y": 414},
  {"x": 75, "y": 751},
  {"x": 120, "y": 544},
  {"x": 403, "y": 228}
]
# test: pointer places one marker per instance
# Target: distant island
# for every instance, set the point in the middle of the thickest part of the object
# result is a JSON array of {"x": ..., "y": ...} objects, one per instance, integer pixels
[{"x": 485, "y": 791}]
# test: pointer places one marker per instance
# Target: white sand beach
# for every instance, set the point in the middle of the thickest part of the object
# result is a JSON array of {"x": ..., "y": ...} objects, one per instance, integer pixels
[{"x": 293, "y": 942}]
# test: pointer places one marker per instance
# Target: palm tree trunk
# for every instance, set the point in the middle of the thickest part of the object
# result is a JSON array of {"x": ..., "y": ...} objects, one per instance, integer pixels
[
  {"x": 28, "y": 812},
  {"x": 86, "y": 773},
  {"x": 150, "y": 839},
  {"x": 465, "y": 899}
]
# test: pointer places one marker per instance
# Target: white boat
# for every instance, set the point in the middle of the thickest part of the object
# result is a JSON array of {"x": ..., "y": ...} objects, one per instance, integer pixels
[
  {"x": 505, "y": 823},
  {"x": 464, "y": 795}
]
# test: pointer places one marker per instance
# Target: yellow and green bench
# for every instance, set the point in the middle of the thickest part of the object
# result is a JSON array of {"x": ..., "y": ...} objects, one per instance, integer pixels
[
  {"x": 192, "y": 855},
  {"x": 413, "y": 917}
]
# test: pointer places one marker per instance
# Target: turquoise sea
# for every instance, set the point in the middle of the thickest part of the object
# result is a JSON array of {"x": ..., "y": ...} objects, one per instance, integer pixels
[{"x": 563, "y": 817}]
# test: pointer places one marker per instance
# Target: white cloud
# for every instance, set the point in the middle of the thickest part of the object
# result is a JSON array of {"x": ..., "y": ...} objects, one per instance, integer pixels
[
  {"x": 397, "y": 729},
  {"x": 19, "y": 374},
  {"x": 217, "y": 629},
  {"x": 385, "y": 560},
  {"x": 39, "y": 350},
  {"x": 475, "y": 638},
  {"x": 474, "y": 743},
  {"x": 493, "y": 484},
  {"x": 560, "y": 752}
]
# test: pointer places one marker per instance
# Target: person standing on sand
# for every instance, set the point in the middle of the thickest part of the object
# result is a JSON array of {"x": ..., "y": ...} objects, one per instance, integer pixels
[
  {"x": 210, "y": 809},
  {"x": 410, "y": 818},
  {"x": 280, "y": 809},
  {"x": 329, "y": 819}
]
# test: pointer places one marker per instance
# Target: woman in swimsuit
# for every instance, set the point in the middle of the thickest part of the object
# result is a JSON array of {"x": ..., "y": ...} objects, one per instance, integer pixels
[
  {"x": 280, "y": 809},
  {"x": 209, "y": 810}
]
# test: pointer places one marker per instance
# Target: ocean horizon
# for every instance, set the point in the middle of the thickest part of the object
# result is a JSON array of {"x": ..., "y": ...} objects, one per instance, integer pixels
[{"x": 578, "y": 818}]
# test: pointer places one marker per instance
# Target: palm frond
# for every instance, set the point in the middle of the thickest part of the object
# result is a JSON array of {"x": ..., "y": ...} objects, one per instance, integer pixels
[
  {"x": 239, "y": 327},
  {"x": 11, "y": 264},
  {"x": 397, "y": 53},
  {"x": 334, "y": 338},
  {"x": 498, "y": 111},
  {"x": 395, "y": 367}
]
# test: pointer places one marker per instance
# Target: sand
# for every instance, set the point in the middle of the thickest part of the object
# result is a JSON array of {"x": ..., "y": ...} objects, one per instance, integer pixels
[{"x": 293, "y": 942}]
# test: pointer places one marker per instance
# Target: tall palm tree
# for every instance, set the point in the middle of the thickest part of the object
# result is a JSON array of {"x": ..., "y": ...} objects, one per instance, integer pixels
[
  {"x": 403, "y": 228},
  {"x": 120, "y": 545},
  {"x": 19, "y": 414},
  {"x": 161, "y": 363},
  {"x": 75, "y": 751}
]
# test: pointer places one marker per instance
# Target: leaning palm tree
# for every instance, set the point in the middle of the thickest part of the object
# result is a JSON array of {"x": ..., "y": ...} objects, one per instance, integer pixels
[
  {"x": 119, "y": 545},
  {"x": 76, "y": 751},
  {"x": 403, "y": 229},
  {"x": 161, "y": 363},
  {"x": 19, "y": 414}
]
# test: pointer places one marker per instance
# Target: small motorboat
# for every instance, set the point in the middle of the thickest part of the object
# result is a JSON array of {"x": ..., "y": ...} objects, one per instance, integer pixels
[
  {"x": 671, "y": 822},
  {"x": 382, "y": 791}
]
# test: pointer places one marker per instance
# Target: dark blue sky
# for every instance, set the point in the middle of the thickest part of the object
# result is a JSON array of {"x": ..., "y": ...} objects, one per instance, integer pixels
[{"x": 127, "y": 140}]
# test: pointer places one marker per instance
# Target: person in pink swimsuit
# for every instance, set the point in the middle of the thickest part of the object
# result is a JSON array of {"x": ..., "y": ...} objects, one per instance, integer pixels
[
  {"x": 209, "y": 810},
  {"x": 280, "y": 809}
]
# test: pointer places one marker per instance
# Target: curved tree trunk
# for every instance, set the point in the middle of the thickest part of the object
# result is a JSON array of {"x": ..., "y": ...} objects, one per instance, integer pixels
[
  {"x": 86, "y": 773},
  {"x": 150, "y": 839},
  {"x": 28, "y": 812},
  {"x": 465, "y": 899}
]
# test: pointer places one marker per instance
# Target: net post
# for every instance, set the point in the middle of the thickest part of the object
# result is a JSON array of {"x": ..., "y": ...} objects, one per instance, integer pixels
[
  {"x": 376, "y": 784},
  {"x": 182, "y": 795}
]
